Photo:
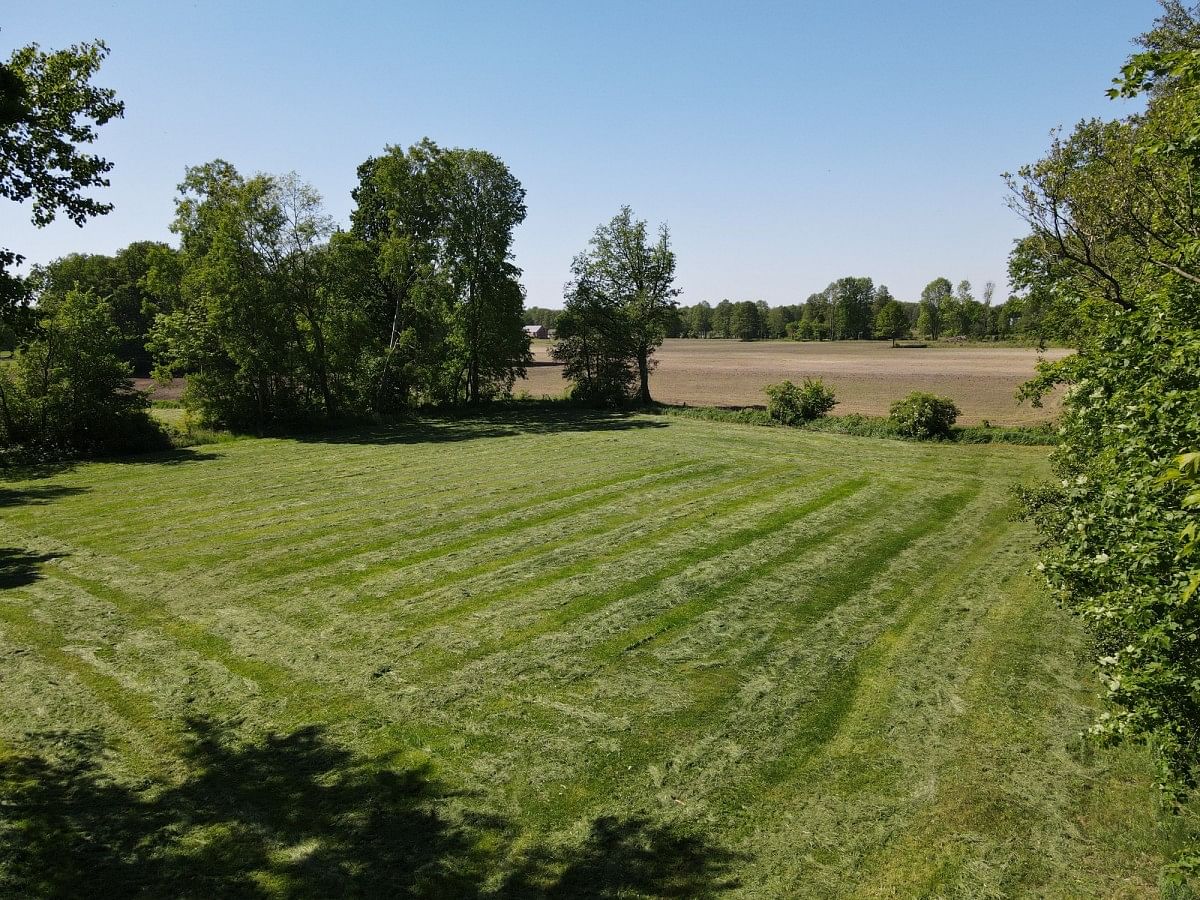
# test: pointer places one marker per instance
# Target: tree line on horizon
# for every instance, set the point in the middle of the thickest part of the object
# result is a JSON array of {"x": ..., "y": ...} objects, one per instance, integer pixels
[{"x": 854, "y": 308}]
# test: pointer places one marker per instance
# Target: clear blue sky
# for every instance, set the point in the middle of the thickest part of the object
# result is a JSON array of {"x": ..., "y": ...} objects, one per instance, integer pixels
[{"x": 786, "y": 144}]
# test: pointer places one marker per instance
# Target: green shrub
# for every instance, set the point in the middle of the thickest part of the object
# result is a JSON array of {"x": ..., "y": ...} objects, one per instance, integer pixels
[
  {"x": 68, "y": 392},
  {"x": 856, "y": 425},
  {"x": 790, "y": 404},
  {"x": 924, "y": 416}
]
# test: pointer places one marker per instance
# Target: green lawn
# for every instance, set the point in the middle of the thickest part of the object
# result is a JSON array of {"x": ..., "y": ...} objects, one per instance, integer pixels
[{"x": 567, "y": 655}]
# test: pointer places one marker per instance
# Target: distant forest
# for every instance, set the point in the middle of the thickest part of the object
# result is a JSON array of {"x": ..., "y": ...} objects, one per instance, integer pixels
[{"x": 853, "y": 308}]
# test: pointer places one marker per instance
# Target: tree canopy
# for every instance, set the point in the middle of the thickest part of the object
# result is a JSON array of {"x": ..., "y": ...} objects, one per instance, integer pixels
[
  {"x": 49, "y": 109},
  {"x": 1112, "y": 217},
  {"x": 622, "y": 295}
]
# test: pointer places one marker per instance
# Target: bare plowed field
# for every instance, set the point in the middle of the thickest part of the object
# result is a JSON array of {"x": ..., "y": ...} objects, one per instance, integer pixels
[{"x": 867, "y": 376}]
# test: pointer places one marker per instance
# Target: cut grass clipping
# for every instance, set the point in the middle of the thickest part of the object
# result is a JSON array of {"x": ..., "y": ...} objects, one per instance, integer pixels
[{"x": 570, "y": 654}]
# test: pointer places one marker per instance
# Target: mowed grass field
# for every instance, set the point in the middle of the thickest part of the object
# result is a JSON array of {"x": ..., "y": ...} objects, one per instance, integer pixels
[
  {"x": 868, "y": 376},
  {"x": 562, "y": 655}
]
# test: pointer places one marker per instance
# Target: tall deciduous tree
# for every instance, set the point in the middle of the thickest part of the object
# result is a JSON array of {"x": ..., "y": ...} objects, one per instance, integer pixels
[
  {"x": 936, "y": 295},
  {"x": 483, "y": 203},
  {"x": 891, "y": 321},
  {"x": 394, "y": 236},
  {"x": 631, "y": 270},
  {"x": 435, "y": 229},
  {"x": 252, "y": 326}
]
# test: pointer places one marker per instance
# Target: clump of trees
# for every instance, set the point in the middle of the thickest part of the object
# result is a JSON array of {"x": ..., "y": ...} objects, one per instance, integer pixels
[
  {"x": 1113, "y": 244},
  {"x": 618, "y": 305},
  {"x": 274, "y": 315},
  {"x": 277, "y": 317},
  {"x": 68, "y": 390},
  {"x": 120, "y": 280}
]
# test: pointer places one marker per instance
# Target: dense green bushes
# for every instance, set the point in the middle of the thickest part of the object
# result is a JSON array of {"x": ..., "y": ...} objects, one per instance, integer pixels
[
  {"x": 790, "y": 404},
  {"x": 924, "y": 416},
  {"x": 1113, "y": 213},
  {"x": 1115, "y": 528},
  {"x": 68, "y": 392},
  {"x": 869, "y": 426}
]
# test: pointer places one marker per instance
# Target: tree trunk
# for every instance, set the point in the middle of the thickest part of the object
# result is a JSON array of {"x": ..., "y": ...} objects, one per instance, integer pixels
[
  {"x": 323, "y": 372},
  {"x": 644, "y": 376}
]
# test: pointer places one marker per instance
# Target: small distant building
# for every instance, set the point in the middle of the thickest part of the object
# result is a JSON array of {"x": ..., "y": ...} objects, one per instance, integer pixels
[{"x": 538, "y": 332}]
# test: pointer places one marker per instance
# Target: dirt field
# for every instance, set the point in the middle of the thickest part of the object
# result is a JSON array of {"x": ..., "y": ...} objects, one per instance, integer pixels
[{"x": 867, "y": 376}]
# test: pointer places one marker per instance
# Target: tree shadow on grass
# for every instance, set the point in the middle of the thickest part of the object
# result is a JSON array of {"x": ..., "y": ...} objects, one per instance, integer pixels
[
  {"x": 627, "y": 857},
  {"x": 37, "y": 495},
  {"x": 293, "y": 815},
  {"x": 299, "y": 816},
  {"x": 19, "y": 567},
  {"x": 476, "y": 424},
  {"x": 18, "y": 468},
  {"x": 177, "y": 457}
]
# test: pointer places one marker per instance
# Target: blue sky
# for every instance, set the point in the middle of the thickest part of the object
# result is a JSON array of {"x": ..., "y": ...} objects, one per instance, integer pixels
[{"x": 786, "y": 144}]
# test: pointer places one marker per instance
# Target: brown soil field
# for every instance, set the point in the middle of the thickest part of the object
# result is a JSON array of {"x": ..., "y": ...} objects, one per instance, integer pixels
[
  {"x": 867, "y": 376},
  {"x": 173, "y": 390}
]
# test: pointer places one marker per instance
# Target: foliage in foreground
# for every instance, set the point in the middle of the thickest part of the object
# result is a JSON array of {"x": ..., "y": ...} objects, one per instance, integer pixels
[
  {"x": 1115, "y": 527},
  {"x": 790, "y": 404},
  {"x": 1114, "y": 220},
  {"x": 48, "y": 108}
]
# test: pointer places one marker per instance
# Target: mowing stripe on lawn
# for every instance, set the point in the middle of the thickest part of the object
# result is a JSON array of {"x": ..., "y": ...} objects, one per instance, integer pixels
[
  {"x": 697, "y": 716},
  {"x": 391, "y": 565},
  {"x": 383, "y": 500},
  {"x": 472, "y": 604},
  {"x": 603, "y": 525},
  {"x": 589, "y": 603},
  {"x": 293, "y": 560}
]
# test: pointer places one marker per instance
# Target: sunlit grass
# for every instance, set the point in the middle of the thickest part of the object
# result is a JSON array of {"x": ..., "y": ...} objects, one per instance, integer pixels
[{"x": 602, "y": 654}]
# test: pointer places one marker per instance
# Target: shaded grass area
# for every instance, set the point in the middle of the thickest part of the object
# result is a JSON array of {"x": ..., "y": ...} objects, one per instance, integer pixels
[{"x": 550, "y": 653}]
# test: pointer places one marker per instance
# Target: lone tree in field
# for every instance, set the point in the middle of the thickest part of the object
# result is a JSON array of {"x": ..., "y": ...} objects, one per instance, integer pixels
[
  {"x": 624, "y": 270},
  {"x": 892, "y": 321}
]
